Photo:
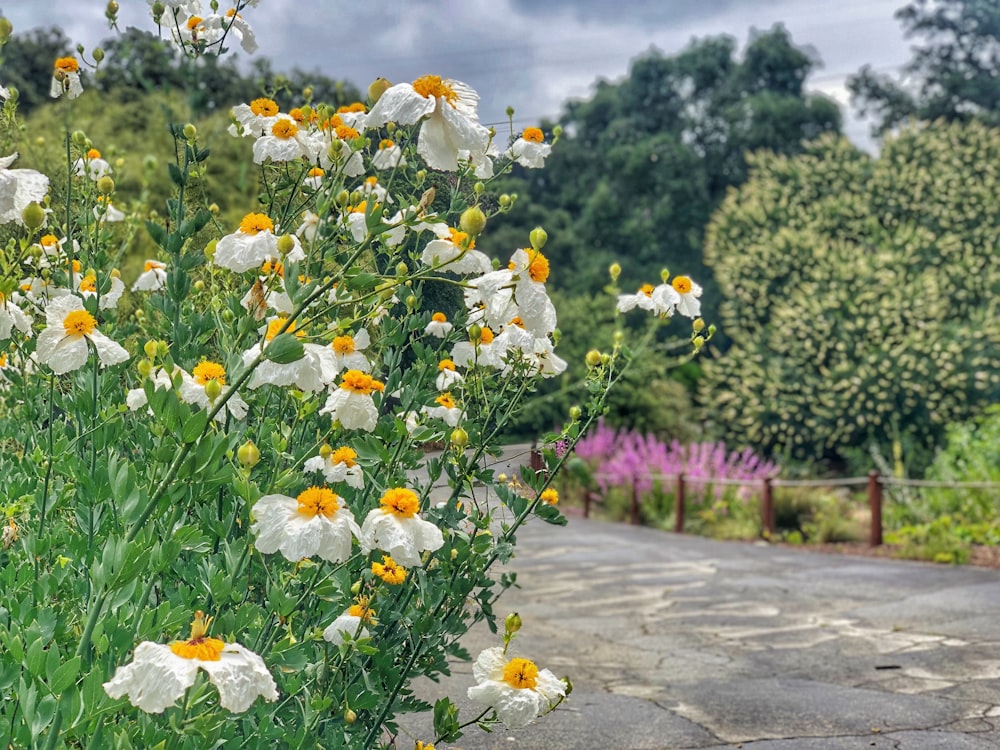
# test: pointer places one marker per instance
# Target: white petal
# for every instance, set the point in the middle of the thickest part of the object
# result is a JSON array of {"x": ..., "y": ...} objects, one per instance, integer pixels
[
  {"x": 240, "y": 676},
  {"x": 155, "y": 678},
  {"x": 400, "y": 104}
]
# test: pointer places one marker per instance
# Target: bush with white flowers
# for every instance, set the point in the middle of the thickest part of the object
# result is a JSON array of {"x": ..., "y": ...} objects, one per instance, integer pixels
[{"x": 221, "y": 525}]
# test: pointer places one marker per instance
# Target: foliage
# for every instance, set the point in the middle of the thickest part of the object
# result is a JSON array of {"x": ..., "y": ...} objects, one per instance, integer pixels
[
  {"x": 861, "y": 294},
  {"x": 952, "y": 74}
]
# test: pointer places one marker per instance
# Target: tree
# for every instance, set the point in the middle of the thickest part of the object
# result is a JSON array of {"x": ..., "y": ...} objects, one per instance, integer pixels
[
  {"x": 860, "y": 294},
  {"x": 955, "y": 71}
]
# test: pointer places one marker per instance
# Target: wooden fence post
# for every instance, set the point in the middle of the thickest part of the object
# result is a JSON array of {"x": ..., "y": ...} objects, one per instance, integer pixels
[
  {"x": 767, "y": 509},
  {"x": 679, "y": 505},
  {"x": 875, "y": 503}
]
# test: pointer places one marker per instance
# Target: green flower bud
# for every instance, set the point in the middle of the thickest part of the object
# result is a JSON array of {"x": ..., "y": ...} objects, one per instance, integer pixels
[
  {"x": 97, "y": 54},
  {"x": 162, "y": 349},
  {"x": 6, "y": 29},
  {"x": 711, "y": 330},
  {"x": 504, "y": 200},
  {"x": 150, "y": 348},
  {"x": 459, "y": 437},
  {"x": 214, "y": 208},
  {"x": 112, "y": 9},
  {"x": 454, "y": 554},
  {"x": 479, "y": 188},
  {"x": 307, "y": 93},
  {"x": 421, "y": 176},
  {"x": 349, "y": 716},
  {"x": 356, "y": 197},
  {"x": 325, "y": 450},
  {"x": 698, "y": 341},
  {"x": 475, "y": 334},
  {"x": 33, "y": 215},
  {"x": 79, "y": 139},
  {"x": 618, "y": 338},
  {"x": 473, "y": 221},
  {"x": 575, "y": 412},
  {"x": 343, "y": 198},
  {"x": 105, "y": 185},
  {"x": 286, "y": 243},
  {"x": 376, "y": 88},
  {"x": 150, "y": 162},
  {"x": 356, "y": 588},
  {"x": 190, "y": 132},
  {"x": 614, "y": 271},
  {"x": 248, "y": 453},
  {"x": 509, "y": 111},
  {"x": 512, "y": 623},
  {"x": 593, "y": 358},
  {"x": 213, "y": 389},
  {"x": 411, "y": 302},
  {"x": 538, "y": 238},
  {"x": 145, "y": 367},
  {"x": 402, "y": 269},
  {"x": 605, "y": 359},
  {"x": 158, "y": 9},
  {"x": 210, "y": 249},
  {"x": 664, "y": 275},
  {"x": 199, "y": 285},
  {"x": 698, "y": 325}
]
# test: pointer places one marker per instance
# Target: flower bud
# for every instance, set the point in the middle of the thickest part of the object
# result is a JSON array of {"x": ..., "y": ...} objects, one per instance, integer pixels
[
  {"x": 105, "y": 185},
  {"x": 421, "y": 175},
  {"x": 286, "y": 243},
  {"x": 325, "y": 450},
  {"x": 698, "y": 325},
  {"x": 664, "y": 275},
  {"x": 79, "y": 139},
  {"x": 199, "y": 286},
  {"x": 190, "y": 131},
  {"x": 605, "y": 359},
  {"x": 158, "y": 9},
  {"x": 575, "y": 412},
  {"x": 479, "y": 188},
  {"x": 343, "y": 198},
  {"x": 593, "y": 358},
  {"x": 402, "y": 269},
  {"x": 210, "y": 249},
  {"x": 356, "y": 588},
  {"x": 711, "y": 330},
  {"x": 614, "y": 271},
  {"x": 213, "y": 389},
  {"x": 97, "y": 54},
  {"x": 473, "y": 221},
  {"x": 376, "y": 88},
  {"x": 162, "y": 348},
  {"x": 502, "y": 478},
  {"x": 111, "y": 9},
  {"x": 512, "y": 623},
  {"x": 150, "y": 348},
  {"x": 538, "y": 238},
  {"x": 475, "y": 333},
  {"x": 454, "y": 554},
  {"x": 6, "y": 29},
  {"x": 139, "y": 314},
  {"x": 569, "y": 685},
  {"x": 248, "y": 453},
  {"x": 618, "y": 338},
  {"x": 509, "y": 111},
  {"x": 214, "y": 208},
  {"x": 504, "y": 200},
  {"x": 698, "y": 341},
  {"x": 145, "y": 367},
  {"x": 33, "y": 215},
  {"x": 459, "y": 437},
  {"x": 349, "y": 716},
  {"x": 411, "y": 302}
]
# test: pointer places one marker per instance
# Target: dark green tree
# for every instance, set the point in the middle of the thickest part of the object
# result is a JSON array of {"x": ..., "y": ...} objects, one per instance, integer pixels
[{"x": 955, "y": 69}]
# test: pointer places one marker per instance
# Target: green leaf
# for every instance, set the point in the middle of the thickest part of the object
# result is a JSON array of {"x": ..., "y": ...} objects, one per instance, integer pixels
[
  {"x": 35, "y": 658},
  {"x": 176, "y": 175},
  {"x": 64, "y": 675},
  {"x": 446, "y": 720},
  {"x": 194, "y": 426},
  {"x": 362, "y": 282},
  {"x": 285, "y": 349},
  {"x": 158, "y": 233}
]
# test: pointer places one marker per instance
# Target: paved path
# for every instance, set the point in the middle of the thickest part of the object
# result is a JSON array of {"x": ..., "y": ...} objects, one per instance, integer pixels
[{"x": 679, "y": 642}]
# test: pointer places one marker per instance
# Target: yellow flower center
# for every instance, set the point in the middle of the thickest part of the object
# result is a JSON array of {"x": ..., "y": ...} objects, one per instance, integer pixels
[
  {"x": 361, "y": 208},
  {"x": 3, "y": 359},
  {"x": 353, "y": 107},
  {"x": 681, "y": 284},
  {"x": 48, "y": 240},
  {"x": 93, "y": 154},
  {"x": 318, "y": 501},
  {"x": 317, "y": 172},
  {"x": 361, "y": 382},
  {"x": 535, "y": 135},
  {"x": 521, "y": 674},
  {"x": 231, "y": 13},
  {"x": 88, "y": 284},
  {"x": 446, "y": 364},
  {"x": 297, "y": 114},
  {"x": 439, "y": 317},
  {"x": 343, "y": 344},
  {"x": 517, "y": 321},
  {"x": 486, "y": 337},
  {"x": 79, "y": 323},
  {"x": 461, "y": 239},
  {"x": 199, "y": 646},
  {"x": 434, "y": 87},
  {"x": 538, "y": 267},
  {"x": 275, "y": 326},
  {"x": 284, "y": 129},
  {"x": 445, "y": 400},
  {"x": 253, "y": 223},
  {"x": 152, "y": 265},
  {"x": 550, "y": 496},
  {"x": 193, "y": 22},
  {"x": 344, "y": 455},
  {"x": 389, "y": 570},
  {"x": 264, "y": 107},
  {"x": 385, "y": 143},
  {"x": 646, "y": 289},
  {"x": 400, "y": 502},
  {"x": 273, "y": 267},
  {"x": 346, "y": 132},
  {"x": 207, "y": 370},
  {"x": 362, "y": 610},
  {"x": 76, "y": 266},
  {"x": 67, "y": 65}
]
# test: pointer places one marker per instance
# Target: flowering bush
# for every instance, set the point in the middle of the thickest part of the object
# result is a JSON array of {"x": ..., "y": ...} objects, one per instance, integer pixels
[{"x": 215, "y": 469}]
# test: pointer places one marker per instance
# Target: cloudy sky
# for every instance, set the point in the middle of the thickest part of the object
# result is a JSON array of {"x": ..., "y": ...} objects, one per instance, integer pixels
[{"x": 523, "y": 53}]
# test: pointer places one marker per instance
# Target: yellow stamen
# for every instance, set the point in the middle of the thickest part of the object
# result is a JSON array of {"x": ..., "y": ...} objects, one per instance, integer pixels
[
  {"x": 353, "y": 107},
  {"x": 253, "y": 223},
  {"x": 439, "y": 317},
  {"x": 681, "y": 284},
  {"x": 264, "y": 107},
  {"x": 434, "y": 87},
  {"x": 445, "y": 400},
  {"x": 461, "y": 239},
  {"x": 344, "y": 455},
  {"x": 362, "y": 610},
  {"x": 48, "y": 240},
  {"x": 389, "y": 570},
  {"x": 343, "y": 345},
  {"x": 486, "y": 337},
  {"x": 67, "y": 65},
  {"x": 88, "y": 284},
  {"x": 317, "y": 172},
  {"x": 284, "y": 129},
  {"x": 361, "y": 382},
  {"x": 79, "y": 323},
  {"x": 208, "y": 370},
  {"x": 318, "y": 501},
  {"x": 446, "y": 364},
  {"x": 273, "y": 267},
  {"x": 275, "y": 326},
  {"x": 646, "y": 289},
  {"x": 93, "y": 154},
  {"x": 550, "y": 496},
  {"x": 400, "y": 502},
  {"x": 386, "y": 143},
  {"x": 346, "y": 133},
  {"x": 521, "y": 674},
  {"x": 534, "y": 135},
  {"x": 538, "y": 267},
  {"x": 199, "y": 646},
  {"x": 153, "y": 265},
  {"x": 193, "y": 21}
]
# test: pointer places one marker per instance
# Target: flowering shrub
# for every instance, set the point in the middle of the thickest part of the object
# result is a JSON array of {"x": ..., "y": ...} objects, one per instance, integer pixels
[{"x": 219, "y": 525}]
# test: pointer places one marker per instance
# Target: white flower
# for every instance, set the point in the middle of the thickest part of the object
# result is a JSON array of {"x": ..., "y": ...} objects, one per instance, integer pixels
[
  {"x": 136, "y": 397},
  {"x": 451, "y": 130},
  {"x": 309, "y": 226},
  {"x": 109, "y": 299},
  {"x": 338, "y": 151},
  {"x": 252, "y": 245},
  {"x": 239, "y": 28},
  {"x": 310, "y": 373},
  {"x": 447, "y": 375},
  {"x": 446, "y": 410},
  {"x": 454, "y": 252},
  {"x": 64, "y": 345},
  {"x": 396, "y": 529},
  {"x": 517, "y": 291},
  {"x": 12, "y": 316},
  {"x": 314, "y": 523},
  {"x": 253, "y": 119},
  {"x": 66, "y": 78},
  {"x": 105, "y": 210},
  {"x": 152, "y": 278},
  {"x": 4, "y": 93},
  {"x": 18, "y": 188},
  {"x": 159, "y": 674},
  {"x": 529, "y": 150},
  {"x": 284, "y": 140},
  {"x": 515, "y": 688},
  {"x": 438, "y": 326},
  {"x": 193, "y": 390},
  {"x": 92, "y": 166},
  {"x": 347, "y": 351},
  {"x": 688, "y": 293},
  {"x": 314, "y": 180},
  {"x": 350, "y": 625},
  {"x": 468, "y": 354},
  {"x": 388, "y": 156},
  {"x": 338, "y": 466},
  {"x": 352, "y": 404}
]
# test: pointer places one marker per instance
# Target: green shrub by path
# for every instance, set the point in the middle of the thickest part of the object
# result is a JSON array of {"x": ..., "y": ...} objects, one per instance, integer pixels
[{"x": 860, "y": 294}]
